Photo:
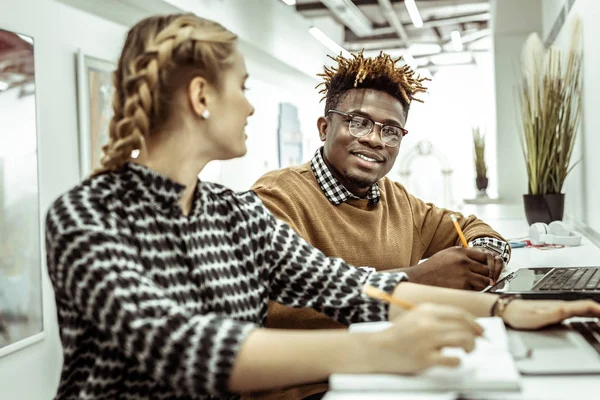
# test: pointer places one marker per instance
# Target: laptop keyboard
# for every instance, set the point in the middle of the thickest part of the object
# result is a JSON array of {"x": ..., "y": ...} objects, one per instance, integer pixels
[
  {"x": 590, "y": 330},
  {"x": 570, "y": 279}
]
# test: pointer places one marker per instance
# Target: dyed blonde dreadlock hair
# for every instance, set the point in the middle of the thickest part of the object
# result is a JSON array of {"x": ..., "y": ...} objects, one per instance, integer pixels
[
  {"x": 378, "y": 73},
  {"x": 161, "y": 55}
]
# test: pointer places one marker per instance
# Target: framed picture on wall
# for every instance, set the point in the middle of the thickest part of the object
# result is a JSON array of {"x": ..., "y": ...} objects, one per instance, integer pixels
[
  {"x": 289, "y": 136},
  {"x": 94, "y": 100},
  {"x": 21, "y": 290}
]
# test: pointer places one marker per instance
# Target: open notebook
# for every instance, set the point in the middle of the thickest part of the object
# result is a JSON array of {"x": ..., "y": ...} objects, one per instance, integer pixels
[{"x": 490, "y": 367}]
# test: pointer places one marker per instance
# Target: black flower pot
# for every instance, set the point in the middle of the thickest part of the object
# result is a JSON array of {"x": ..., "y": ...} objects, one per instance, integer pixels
[
  {"x": 481, "y": 182},
  {"x": 544, "y": 207}
]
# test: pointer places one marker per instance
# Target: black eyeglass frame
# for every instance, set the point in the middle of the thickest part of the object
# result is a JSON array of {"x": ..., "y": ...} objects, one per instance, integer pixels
[{"x": 373, "y": 124}]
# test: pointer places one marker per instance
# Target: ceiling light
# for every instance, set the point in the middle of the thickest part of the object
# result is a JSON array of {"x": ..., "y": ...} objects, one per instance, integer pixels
[
  {"x": 328, "y": 42},
  {"x": 290, "y": 2},
  {"x": 456, "y": 41},
  {"x": 413, "y": 12},
  {"x": 348, "y": 13},
  {"x": 3, "y": 85}
]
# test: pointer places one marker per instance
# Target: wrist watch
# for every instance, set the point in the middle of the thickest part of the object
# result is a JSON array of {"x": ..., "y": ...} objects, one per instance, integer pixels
[{"x": 501, "y": 303}]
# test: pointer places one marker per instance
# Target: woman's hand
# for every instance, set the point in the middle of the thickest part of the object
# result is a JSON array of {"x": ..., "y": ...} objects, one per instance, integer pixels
[
  {"x": 534, "y": 314},
  {"x": 416, "y": 338}
]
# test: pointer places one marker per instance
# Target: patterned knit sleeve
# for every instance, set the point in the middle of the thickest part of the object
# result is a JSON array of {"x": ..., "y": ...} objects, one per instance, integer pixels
[
  {"x": 98, "y": 274},
  {"x": 302, "y": 276}
]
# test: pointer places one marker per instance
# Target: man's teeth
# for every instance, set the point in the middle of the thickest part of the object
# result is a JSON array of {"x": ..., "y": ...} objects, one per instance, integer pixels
[{"x": 366, "y": 158}]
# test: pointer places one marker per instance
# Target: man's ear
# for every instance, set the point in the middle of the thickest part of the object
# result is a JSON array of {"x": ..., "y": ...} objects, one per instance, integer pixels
[
  {"x": 198, "y": 92},
  {"x": 322, "y": 124}
]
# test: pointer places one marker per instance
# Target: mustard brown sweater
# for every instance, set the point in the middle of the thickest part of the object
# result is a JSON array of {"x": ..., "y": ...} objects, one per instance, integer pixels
[{"x": 397, "y": 232}]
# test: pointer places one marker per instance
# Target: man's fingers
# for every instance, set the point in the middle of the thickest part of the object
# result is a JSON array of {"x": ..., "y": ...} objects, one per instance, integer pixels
[
  {"x": 491, "y": 265},
  {"x": 477, "y": 254},
  {"x": 479, "y": 281},
  {"x": 499, "y": 267},
  {"x": 480, "y": 269}
]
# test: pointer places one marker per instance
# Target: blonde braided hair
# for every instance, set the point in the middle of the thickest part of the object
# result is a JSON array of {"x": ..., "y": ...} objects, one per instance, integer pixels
[
  {"x": 378, "y": 73},
  {"x": 160, "y": 56}
]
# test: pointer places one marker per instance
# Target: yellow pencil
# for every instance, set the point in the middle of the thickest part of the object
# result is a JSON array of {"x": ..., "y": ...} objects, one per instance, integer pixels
[
  {"x": 460, "y": 232},
  {"x": 381, "y": 295}
]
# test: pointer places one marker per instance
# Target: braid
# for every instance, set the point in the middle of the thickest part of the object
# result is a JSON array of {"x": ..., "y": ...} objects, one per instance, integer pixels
[
  {"x": 157, "y": 53},
  {"x": 379, "y": 73}
]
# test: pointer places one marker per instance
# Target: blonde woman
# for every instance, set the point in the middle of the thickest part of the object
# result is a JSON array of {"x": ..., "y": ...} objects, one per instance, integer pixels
[{"x": 162, "y": 282}]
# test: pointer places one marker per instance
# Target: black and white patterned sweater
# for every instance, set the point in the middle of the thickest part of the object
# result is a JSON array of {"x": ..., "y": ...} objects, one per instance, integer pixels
[{"x": 153, "y": 304}]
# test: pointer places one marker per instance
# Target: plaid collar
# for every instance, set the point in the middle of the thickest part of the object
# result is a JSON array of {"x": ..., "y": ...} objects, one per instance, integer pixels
[{"x": 333, "y": 189}]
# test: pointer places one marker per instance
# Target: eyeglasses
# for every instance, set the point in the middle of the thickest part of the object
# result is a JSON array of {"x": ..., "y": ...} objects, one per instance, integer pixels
[{"x": 359, "y": 126}]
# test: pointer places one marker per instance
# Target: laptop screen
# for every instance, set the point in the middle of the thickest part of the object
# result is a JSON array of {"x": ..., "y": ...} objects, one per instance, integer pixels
[{"x": 521, "y": 280}]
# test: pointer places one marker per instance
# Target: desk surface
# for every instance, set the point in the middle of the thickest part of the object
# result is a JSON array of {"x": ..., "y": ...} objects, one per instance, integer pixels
[{"x": 510, "y": 222}]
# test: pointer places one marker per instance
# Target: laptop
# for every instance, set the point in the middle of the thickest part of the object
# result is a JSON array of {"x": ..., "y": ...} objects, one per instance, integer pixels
[
  {"x": 559, "y": 283},
  {"x": 570, "y": 348}
]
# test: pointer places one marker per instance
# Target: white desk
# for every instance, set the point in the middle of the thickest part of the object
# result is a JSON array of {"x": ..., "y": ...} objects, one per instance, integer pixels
[{"x": 510, "y": 222}]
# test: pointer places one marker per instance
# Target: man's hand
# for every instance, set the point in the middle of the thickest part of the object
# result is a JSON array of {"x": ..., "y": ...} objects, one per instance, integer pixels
[{"x": 458, "y": 268}]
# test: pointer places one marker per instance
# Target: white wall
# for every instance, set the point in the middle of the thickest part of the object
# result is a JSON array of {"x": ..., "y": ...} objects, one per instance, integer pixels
[
  {"x": 281, "y": 70},
  {"x": 58, "y": 31},
  {"x": 581, "y": 188},
  {"x": 459, "y": 97},
  {"x": 512, "y": 22}
]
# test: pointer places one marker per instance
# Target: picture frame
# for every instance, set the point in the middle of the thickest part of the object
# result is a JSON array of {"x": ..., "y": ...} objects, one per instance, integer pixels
[
  {"x": 94, "y": 103},
  {"x": 21, "y": 267},
  {"x": 289, "y": 136}
]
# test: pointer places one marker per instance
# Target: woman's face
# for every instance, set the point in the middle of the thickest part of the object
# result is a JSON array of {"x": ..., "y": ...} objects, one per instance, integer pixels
[{"x": 229, "y": 111}]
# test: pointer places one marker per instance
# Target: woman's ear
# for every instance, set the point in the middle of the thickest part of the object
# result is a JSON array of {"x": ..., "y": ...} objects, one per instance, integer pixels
[
  {"x": 198, "y": 94},
  {"x": 322, "y": 124}
]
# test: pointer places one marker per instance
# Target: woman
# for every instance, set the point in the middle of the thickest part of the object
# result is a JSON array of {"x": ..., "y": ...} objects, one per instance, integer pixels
[{"x": 162, "y": 282}]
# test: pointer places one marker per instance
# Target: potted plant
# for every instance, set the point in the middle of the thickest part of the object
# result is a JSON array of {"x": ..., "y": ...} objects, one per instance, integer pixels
[
  {"x": 550, "y": 111},
  {"x": 481, "y": 179}
]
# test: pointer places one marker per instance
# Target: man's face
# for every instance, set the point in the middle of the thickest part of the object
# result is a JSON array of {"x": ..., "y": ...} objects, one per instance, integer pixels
[{"x": 342, "y": 151}]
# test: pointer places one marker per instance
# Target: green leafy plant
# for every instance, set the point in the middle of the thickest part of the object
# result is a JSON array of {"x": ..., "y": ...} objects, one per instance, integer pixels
[
  {"x": 479, "y": 147},
  {"x": 550, "y": 111}
]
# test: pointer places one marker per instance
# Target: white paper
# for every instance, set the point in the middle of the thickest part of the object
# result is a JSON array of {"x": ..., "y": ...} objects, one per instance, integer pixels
[{"x": 489, "y": 367}]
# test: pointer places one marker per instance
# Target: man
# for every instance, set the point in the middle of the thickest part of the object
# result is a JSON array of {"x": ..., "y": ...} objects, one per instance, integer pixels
[{"x": 342, "y": 203}]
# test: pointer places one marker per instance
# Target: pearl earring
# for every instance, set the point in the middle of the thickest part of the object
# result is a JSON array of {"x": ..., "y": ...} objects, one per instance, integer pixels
[{"x": 205, "y": 114}]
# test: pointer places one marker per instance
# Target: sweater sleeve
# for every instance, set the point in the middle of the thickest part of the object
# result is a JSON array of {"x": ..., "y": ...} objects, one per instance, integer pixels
[
  {"x": 100, "y": 276},
  {"x": 436, "y": 229},
  {"x": 302, "y": 276},
  {"x": 279, "y": 203}
]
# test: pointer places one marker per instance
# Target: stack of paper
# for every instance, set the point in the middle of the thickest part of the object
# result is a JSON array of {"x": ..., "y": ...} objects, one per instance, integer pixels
[{"x": 490, "y": 367}]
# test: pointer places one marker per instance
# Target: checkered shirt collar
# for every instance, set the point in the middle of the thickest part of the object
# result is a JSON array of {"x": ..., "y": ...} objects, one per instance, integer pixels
[{"x": 335, "y": 192}]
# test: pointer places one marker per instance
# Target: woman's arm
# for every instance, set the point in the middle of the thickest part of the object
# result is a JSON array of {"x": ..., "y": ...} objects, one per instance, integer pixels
[
  {"x": 478, "y": 304},
  {"x": 272, "y": 359},
  {"x": 520, "y": 314}
]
